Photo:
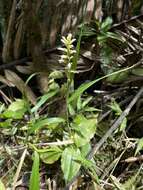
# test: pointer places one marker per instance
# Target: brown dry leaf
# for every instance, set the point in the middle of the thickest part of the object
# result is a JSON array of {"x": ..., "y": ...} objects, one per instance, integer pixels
[
  {"x": 5, "y": 81},
  {"x": 24, "y": 69},
  {"x": 19, "y": 83}
]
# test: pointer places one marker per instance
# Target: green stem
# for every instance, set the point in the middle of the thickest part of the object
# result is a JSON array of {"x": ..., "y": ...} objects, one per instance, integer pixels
[{"x": 67, "y": 97}]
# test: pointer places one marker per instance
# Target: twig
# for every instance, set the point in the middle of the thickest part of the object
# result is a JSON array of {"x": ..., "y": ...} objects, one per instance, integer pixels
[
  {"x": 58, "y": 143},
  {"x": 5, "y": 97},
  {"x": 109, "y": 133},
  {"x": 19, "y": 168}
]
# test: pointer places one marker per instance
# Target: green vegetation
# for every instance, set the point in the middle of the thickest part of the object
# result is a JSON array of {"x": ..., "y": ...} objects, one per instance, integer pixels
[{"x": 71, "y": 117}]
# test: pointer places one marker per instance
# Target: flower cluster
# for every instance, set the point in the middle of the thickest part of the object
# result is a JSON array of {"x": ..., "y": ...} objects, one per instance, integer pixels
[{"x": 67, "y": 50}]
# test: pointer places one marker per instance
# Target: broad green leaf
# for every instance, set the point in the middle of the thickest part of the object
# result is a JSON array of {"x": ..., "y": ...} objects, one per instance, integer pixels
[
  {"x": 85, "y": 149},
  {"x": 6, "y": 124},
  {"x": 106, "y": 24},
  {"x": 139, "y": 146},
  {"x": 15, "y": 115},
  {"x": 16, "y": 109},
  {"x": 68, "y": 162},
  {"x": 2, "y": 187},
  {"x": 79, "y": 118},
  {"x": 35, "y": 177},
  {"x": 17, "y": 105},
  {"x": 45, "y": 122},
  {"x": 84, "y": 132},
  {"x": 43, "y": 99},
  {"x": 51, "y": 155}
]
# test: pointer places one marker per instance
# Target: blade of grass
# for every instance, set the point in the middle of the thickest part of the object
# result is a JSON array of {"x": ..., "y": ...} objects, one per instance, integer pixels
[{"x": 35, "y": 177}]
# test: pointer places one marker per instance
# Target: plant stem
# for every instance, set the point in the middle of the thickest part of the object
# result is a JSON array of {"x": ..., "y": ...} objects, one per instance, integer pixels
[{"x": 67, "y": 97}]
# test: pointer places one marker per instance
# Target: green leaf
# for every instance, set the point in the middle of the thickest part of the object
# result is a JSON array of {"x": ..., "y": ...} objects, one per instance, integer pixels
[
  {"x": 114, "y": 36},
  {"x": 86, "y": 101},
  {"x": 115, "y": 107},
  {"x": 106, "y": 24},
  {"x": 79, "y": 104},
  {"x": 71, "y": 110},
  {"x": 79, "y": 118},
  {"x": 118, "y": 78},
  {"x": 16, "y": 109},
  {"x": 91, "y": 109},
  {"x": 85, "y": 149},
  {"x": 137, "y": 71},
  {"x": 43, "y": 99},
  {"x": 51, "y": 155},
  {"x": 88, "y": 31},
  {"x": 68, "y": 163},
  {"x": 2, "y": 187},
  {"x": 139, "y": 146},
  {"x": 102, "y": 38},
  {"x": 6, "y": 124},
  {"x": 2, "y": 108},
  {"x": 14, "y": 115},
  {"x": 35, "y": 177},
  {"x": 85, "y": 86},
  {"x": 45, "y": 122},
  {"x": 19, "y": 104},
  {"x": 123, "y": 124},
  {"x": 84, "y": 162},
  {"x": 56, "y": 75},
  {"x": 84, "y": 132}
]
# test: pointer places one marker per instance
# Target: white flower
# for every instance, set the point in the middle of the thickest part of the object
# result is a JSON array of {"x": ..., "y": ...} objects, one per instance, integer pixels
[
  {"x": 68, "y": 50},
  {"x": 62, "y": 49},
  {"x": 64, "y": 57}
]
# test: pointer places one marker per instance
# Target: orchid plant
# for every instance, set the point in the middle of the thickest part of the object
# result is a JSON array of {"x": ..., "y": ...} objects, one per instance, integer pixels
[{"x": 67, "y": 58}]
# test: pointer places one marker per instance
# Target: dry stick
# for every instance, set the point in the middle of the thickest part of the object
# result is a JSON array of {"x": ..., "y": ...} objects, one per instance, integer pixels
[{"x": 109, "y": 132}]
